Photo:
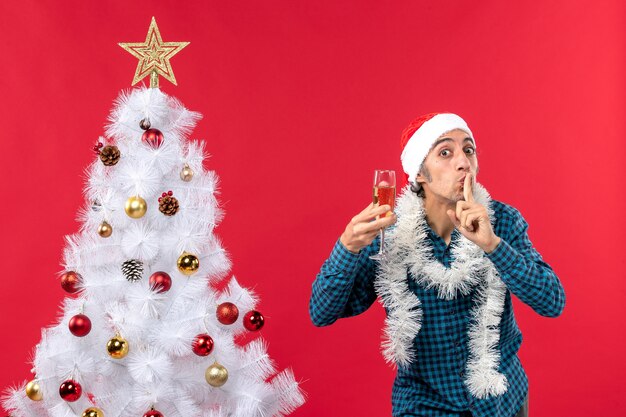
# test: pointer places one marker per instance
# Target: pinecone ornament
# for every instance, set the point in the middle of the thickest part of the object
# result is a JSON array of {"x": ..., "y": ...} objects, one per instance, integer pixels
[
  {"x": 110, "y": 155},
  {"x": 168, "y": 204},
  {"x": 132, "y": 270}
]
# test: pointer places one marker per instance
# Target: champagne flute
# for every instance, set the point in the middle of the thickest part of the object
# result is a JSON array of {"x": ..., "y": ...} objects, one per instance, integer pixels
[{"x": 384, "y": 193}]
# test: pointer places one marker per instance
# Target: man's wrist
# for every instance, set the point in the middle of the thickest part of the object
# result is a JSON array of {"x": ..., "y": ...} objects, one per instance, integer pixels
[
  {"x": 348, "y": 248},
  {"x": 493, "y": 245}
]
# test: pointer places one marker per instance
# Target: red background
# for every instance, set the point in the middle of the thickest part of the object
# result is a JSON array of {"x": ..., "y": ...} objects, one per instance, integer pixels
[{"x": 302, "y": 100}]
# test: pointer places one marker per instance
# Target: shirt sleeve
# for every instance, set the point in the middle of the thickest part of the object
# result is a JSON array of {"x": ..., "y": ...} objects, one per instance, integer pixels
[
  {"x": 344, "y": 286},
  {"x": 525, "y": 273}
]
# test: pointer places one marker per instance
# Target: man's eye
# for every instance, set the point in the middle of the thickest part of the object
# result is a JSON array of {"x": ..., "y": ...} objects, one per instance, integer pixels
[
  {"x": 470, "y": 151},
  {"x": 446, "y": 152}
]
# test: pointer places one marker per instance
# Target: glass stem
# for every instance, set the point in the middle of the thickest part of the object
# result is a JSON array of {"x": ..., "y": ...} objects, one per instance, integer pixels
[{"x": 381, "y": 250}]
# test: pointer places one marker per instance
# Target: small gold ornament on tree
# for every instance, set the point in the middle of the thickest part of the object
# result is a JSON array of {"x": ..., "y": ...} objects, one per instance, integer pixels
[
  {"x": 105, "y": 229},
  {"x": 216, "y": 375},
  {"x": 117, "y": 347},
  {"x": 93, "y": 412},
  {"x": 33, "y": 391},
  {"x": 188, "y": 264},
  {"x": 110, "y": 155},
  {"x": 186, "y": 174},
  {"x": 136, "y": 207},
  {"x": 168, "y": 204}
]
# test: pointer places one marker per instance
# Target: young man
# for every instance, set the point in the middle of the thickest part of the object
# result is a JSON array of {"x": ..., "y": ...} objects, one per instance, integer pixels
[{"x": 453, "y": 258}]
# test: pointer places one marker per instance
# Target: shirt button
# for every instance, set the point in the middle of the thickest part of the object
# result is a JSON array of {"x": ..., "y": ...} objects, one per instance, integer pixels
[{"x": 461, "y": 374}]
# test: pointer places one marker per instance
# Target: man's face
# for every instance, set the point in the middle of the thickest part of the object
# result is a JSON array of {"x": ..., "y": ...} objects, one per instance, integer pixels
[{"x": 446, "y": 165}]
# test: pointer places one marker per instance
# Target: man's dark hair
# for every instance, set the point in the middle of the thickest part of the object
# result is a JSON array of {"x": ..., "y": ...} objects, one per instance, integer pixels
[{"x": 416, "y": 187}]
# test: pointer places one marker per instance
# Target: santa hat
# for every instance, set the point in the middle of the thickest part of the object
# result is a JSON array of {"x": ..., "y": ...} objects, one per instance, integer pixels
[{"x": 419, "y": 137}]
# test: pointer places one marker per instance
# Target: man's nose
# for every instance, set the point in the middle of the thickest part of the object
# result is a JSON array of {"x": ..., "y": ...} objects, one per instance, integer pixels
[{"x": 462, "y": 162}]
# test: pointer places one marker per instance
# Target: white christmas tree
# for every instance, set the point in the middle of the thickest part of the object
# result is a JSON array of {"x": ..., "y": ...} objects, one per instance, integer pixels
[{"x": 145, "y": 332}]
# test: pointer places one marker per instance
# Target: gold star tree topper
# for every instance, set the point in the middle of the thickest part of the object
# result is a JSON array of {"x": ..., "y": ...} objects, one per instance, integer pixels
[{"x": 154, "y": 56}]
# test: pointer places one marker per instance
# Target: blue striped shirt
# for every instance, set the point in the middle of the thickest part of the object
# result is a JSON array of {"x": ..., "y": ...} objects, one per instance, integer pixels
[{"x": 433, "y": 384}]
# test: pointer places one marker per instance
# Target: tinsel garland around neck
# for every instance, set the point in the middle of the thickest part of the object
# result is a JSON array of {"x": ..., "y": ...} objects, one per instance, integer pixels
[{"x": 409, "y": 256}]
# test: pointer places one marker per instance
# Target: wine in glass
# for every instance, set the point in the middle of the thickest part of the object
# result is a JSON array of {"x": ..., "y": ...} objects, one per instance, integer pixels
[{"x": 384, "y": 192}]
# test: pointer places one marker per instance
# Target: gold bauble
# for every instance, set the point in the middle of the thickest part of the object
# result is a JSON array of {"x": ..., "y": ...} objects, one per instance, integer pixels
[
  {"x": 186, "y": 174},
  {"x": 33, "y": 391},
  {"x": 93, "y": 412},
  {"x": 117, "y": 347},
  {"x": 136, "y": 207},
  {"x": 105, "y": 229},
  {"x": 216, "y": 375},
  {"x": 188, "y": 264}
]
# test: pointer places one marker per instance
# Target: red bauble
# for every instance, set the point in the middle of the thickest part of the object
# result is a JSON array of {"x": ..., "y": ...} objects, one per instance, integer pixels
[
  {"x": 253, "y": 320},
  {"x": 202, "y": 345},
  {"x": 70, "y": 281},
  {"x": 80, "y": 325},
  {"x": 70, "y": 390},
  {"x": 153, "y": 413},
  {"x": 160, "y": 282},
  {"x": 152, "y": 137},
  {"x": 227, "y": 313}
]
